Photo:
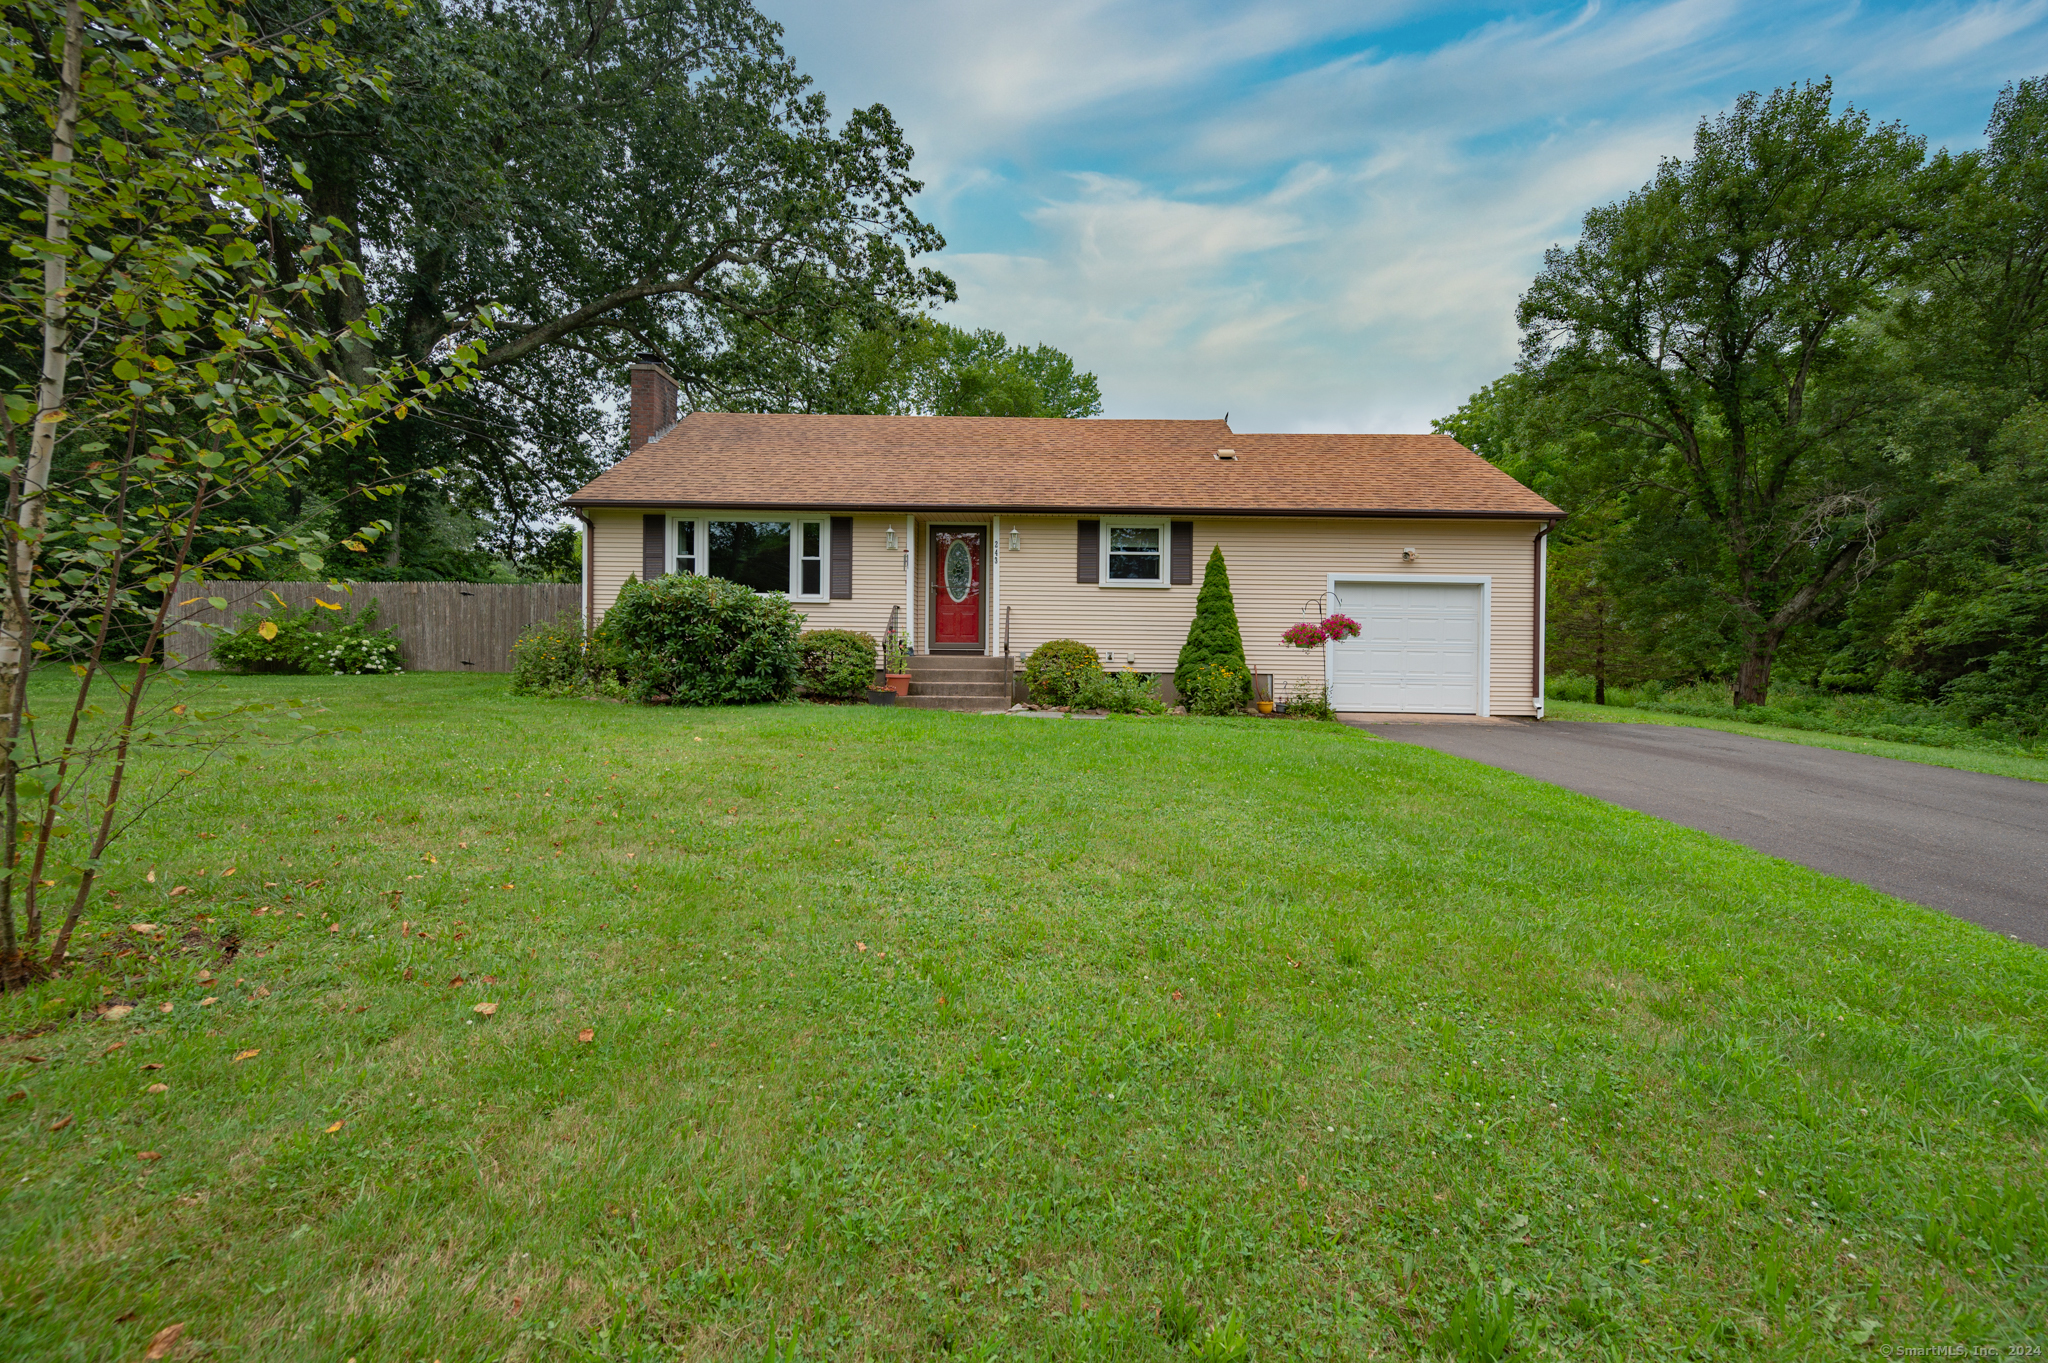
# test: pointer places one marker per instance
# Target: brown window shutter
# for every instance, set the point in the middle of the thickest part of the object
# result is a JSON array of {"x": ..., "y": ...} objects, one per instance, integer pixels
[
  {"x": 1180, "y": 567},
  {"x": 842, "y": 558},
  {"x": 1088, "y": 551},
  {"x": 653, "y": 547}
]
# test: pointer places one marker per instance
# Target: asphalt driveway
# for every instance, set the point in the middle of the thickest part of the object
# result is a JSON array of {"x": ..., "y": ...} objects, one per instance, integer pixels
[{"x": 1963, "y": 842}]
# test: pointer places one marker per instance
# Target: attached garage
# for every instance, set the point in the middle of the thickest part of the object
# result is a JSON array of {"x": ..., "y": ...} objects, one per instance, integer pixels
[{"x": 1422, "y": 646}]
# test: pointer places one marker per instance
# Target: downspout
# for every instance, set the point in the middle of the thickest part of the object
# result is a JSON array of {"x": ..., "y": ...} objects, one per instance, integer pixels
[
  {"x": 1540, "y": 571},
  {"x": 995, "y": 582},
  {"x": 910, "y": 580},
  {"x": 589, "y": 582}
]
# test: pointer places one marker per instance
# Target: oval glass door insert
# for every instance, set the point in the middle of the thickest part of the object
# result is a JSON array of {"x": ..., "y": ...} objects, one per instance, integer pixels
[{"x": 959, "y": 570}]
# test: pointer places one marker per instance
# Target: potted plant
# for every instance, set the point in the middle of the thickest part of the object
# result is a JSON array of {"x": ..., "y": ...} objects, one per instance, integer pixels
[
  {"x": 1330, "y": 629},
  {"x": 896, "y": 664}
]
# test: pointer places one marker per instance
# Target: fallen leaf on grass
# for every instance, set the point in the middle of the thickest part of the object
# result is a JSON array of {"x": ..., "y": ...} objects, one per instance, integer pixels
[
  {"x": 33, "y": 1059},
  {"x": 182, "y": 889},
  {"x": 588, "y": 1034},
  {"x": 17, "y": 1095},
  {"x": 118, "y": 1011},
  {"x": 161, "y": 1342},
  {"x": 262, "y": 991},
  {"x": 485, "y": 1009},
  {"x": 488, "y": 979},
  {"x": 158, "y": 1088},
  {"x": 154, "y": 1065},
  {"x": 332, "y": 1129},
  {"x": 860, "y": 946},
  {"x": 334, "y": 927},
  {"x": 148, "y": 1155},
  {"x": 165, "y": 1007},
  {"x": 240, "y": 1056},
  {"x": 208, "y": 1001},
  {"x": 144, "y": 928},
  {"x": 455, "y": 983},
  {"x": 60, "y": 1124}
]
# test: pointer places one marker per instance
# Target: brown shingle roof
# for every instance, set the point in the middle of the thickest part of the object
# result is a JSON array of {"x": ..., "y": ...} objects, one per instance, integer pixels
[{"x": 942, "y": 463}]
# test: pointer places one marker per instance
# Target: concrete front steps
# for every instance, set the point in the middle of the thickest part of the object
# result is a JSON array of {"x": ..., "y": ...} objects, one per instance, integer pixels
[{"x": 955, "y": 681}]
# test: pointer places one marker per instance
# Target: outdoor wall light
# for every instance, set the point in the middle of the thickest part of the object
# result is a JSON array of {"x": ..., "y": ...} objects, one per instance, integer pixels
[
  {"x": 889, "y": 538},
  {"x": 1407, "y": 556},
  {"x": 1015, "y": 543}
]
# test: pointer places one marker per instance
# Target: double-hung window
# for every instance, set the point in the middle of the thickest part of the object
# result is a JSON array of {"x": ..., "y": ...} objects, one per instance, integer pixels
[
  {"x": 1137, "y": 553},
  {"x": 786, "y": 556}
]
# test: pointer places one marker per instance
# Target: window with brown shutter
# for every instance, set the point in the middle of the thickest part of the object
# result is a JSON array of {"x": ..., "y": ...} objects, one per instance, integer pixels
[
  {"x": 653, "y": 547},
  {"x": 1181, "y": 558},
  {"x": 1087, "y": 551},
  {"x": 842, "y": 558}
]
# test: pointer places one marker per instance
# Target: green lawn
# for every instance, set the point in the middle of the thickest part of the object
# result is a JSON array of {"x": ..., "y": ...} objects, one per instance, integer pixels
[
  {"x": 924, "y": 1036},
  {"x": 1963, "y": 759}
]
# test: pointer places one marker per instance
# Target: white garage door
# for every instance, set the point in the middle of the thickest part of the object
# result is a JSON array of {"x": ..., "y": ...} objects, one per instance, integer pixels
[{"x": 1418, "y": 648}]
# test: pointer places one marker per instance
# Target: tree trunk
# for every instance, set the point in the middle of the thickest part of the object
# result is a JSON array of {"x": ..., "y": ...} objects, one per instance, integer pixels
[
  {"x": 1753, "y": 681},
  {"x": 31, "y": 509},
  {"x": 35, "y": 478},
  {"x": 1600, "y": 663}
]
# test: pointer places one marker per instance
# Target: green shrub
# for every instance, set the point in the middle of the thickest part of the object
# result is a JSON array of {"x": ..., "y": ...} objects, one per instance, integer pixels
[
  {"x": 836, "y": 662},
  {"x": 1214, "y": 689},
  {"x": 689, "y": 640},
  {"x": 547, "y": 658},
  {"x": 1056, "y": 669},
  {"x": 246, "y": 648},
  {"x": 1310, "y": 702},
  {"x": 1213, "y": 635},
  {"x": 351, "y": 645},
  {"x": 1120, "y": 693}
]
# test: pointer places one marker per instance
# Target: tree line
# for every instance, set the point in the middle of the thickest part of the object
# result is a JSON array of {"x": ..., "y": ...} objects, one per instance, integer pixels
[
  {"x": 572, "y": 184},
  {"x": 1793, "y": 393},
  {"x": 309, "y": 290}
]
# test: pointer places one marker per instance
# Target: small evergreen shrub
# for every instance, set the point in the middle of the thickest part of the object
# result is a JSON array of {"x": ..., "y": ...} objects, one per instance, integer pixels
[
  {"x": 690, "y": 640},
  {"x": 1213, "y": 636},
  {"x": 1120, "y": 693},
  {"x": 293, "y": 643},
  {"x": 837, "y": 663},
  {"x": 1214, "y": 689},
  {"x": 1056, "y": 669}
]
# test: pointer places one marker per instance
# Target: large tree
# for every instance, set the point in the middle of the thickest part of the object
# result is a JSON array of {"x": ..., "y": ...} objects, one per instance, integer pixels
[
  {"x": 927, "y": 368},
  {"x": 611, "y": 179},
  {"x": 1707, "y": 328}
]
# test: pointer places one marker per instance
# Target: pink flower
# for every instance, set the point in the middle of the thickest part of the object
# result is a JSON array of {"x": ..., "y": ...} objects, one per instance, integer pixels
[
  {"x": 1303, "y": 636},
  {"x": 1338, "y": 627}
]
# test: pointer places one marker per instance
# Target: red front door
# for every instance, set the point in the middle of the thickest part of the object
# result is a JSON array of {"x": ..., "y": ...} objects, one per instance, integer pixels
[{"x": 956, "y": 587}]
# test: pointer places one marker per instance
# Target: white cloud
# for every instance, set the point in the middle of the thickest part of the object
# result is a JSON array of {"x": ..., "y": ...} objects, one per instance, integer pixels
[{"x": 1299, "y": 212}]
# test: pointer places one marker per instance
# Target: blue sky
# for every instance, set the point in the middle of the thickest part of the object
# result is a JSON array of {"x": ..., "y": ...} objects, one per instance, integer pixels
[{"x": 1318, "y": 216}]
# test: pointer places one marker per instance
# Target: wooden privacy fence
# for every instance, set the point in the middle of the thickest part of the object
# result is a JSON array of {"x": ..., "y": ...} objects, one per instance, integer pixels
[{"x": 441, "y": 626}]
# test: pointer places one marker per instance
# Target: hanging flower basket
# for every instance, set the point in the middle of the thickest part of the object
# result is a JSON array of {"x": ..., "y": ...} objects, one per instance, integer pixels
[
  {"x": 1303, "y": 636},
  {"x": 1332, "y": 629}
]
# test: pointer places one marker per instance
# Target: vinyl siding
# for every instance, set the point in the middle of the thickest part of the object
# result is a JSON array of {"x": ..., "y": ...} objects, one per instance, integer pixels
[
  {"x": 877, "y": 571},
  {"x": 1279, "y": 570}
]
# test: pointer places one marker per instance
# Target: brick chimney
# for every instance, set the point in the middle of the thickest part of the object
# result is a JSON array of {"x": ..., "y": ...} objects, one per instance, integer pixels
[{"x": 654, "y": 401}]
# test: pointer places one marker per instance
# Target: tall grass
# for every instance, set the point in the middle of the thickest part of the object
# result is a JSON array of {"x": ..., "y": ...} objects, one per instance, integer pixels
[{"x": 1796, "y": 706}]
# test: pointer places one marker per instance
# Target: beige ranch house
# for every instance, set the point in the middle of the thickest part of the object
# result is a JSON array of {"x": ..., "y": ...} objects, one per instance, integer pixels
[{"x": 982, "y": 537}]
